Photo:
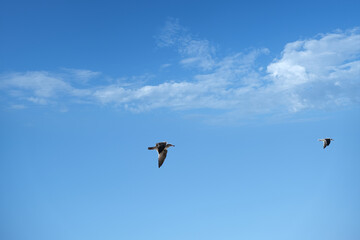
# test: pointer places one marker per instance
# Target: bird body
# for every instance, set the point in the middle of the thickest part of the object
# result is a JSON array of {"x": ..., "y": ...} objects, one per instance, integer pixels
[
  {"x": 161, "y": 148},
  {"x": 326, "y": 141}
]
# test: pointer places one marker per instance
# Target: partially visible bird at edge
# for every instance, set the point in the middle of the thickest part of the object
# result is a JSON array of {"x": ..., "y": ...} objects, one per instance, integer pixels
[
  {"x": 326, "y": 141},
  {"x": 161, "y": 148}
]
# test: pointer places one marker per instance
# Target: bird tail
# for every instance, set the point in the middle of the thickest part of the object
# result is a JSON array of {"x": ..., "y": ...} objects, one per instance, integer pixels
[{"x": 151, "y": 148}]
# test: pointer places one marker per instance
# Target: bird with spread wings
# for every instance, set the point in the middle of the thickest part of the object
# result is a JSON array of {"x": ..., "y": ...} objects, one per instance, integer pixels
[
  {"x": 161, "y": 148},
  {"x": 326, "y": 141}
]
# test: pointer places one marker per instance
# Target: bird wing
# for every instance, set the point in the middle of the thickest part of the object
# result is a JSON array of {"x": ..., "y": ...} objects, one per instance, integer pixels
[
  {"x": 162, "y": 157},
  {"x": 328, "y": 141},
  {"x": 160, "y": 148},
  {"x": 325, "y": 143}
]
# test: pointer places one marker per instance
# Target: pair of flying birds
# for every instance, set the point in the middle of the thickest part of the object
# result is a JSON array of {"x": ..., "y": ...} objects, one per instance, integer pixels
[{"x": 162, "y": 147}]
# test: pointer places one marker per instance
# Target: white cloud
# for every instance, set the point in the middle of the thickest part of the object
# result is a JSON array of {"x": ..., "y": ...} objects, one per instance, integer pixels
[
  {"x": 41, "y": 101},
  {"x": 171, "y": 34},
  {"x": 81, "y": 75},
  {"x": 320, "y": 71},
  {"x": 165, "y": 65},
  {"x": 17, "y": 106},
  {"x": 39, "y": 86},
  {"x": 41, "y": 83},
  {"x": 195, "y": 52},
  {"x": 315, "y": 73},
  {"x": 317, "y": 59},
  {"x": 218, "y": 89}
]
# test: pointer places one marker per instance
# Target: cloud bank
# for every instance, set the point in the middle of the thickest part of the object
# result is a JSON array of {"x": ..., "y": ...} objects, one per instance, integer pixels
[{"x": 316, "y": 73}]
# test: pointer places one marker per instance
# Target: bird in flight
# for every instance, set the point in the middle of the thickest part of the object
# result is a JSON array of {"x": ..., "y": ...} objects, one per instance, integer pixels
[
  {"x": 326, "y": 141},
  {"x": 161, "y": 148}
]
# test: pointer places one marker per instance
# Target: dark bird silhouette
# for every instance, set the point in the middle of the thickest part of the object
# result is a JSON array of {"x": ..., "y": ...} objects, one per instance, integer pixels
[
  {"x": 161, "y": 148},
  {"x": 326, "y": 141}
]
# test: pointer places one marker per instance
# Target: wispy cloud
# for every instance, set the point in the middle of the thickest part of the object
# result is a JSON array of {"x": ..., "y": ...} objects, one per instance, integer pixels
[
  {"x": 315, "y": 73},
  {"x": 17, "y": 106},
  {"x": 39, "y": 87},
  {"x": 194, "y": 52},
  {"x": 81, "y": 75},
  {"x": 165, "y": 65}
]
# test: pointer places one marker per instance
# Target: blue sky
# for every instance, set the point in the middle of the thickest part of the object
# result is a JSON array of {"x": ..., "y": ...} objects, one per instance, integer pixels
[{"x": 244, "y": 90}]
